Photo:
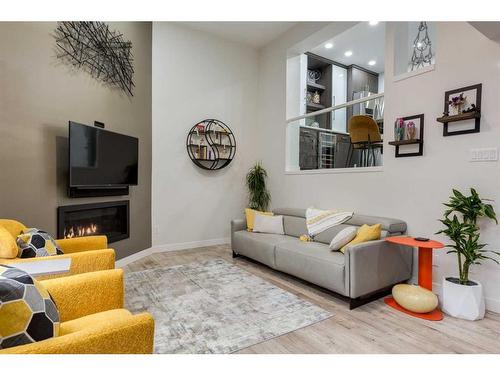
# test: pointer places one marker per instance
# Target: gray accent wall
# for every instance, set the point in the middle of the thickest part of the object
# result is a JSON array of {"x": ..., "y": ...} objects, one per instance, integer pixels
[{"x": 38, "y": 96}]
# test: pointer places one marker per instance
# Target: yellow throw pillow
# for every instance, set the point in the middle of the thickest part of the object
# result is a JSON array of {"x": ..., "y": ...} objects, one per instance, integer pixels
[
  {"x": 8, "y": 246},
  {"x": 365, "y": 233},
  {"x": 250, "y": 216}
]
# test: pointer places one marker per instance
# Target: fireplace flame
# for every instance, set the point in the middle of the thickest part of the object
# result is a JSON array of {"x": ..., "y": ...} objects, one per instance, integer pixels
[{"x": 80, "y": 231}]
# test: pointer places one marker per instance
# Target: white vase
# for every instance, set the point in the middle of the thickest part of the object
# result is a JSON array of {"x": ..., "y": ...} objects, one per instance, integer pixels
[{"x": 463, "y": 301}]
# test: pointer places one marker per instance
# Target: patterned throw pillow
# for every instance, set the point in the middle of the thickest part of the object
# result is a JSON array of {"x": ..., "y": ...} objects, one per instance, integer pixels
[
  {"x": 33, "y": 243},
  {"x": 27, "y": 312}
]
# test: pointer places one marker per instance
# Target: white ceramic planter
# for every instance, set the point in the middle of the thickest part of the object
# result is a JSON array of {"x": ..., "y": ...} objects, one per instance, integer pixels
[{"x": 463, "y": 301}]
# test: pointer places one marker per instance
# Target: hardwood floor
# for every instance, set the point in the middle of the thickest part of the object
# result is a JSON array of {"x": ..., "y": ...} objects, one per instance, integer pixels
[{"x": 372, "y": 328}]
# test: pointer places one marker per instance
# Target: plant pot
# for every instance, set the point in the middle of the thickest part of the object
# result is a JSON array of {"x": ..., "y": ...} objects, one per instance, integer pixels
[{"x": 463, "y": 301}]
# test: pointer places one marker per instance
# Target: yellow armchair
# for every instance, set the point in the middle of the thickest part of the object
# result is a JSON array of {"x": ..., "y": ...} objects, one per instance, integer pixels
[
  {"x": 93, "y": 320},
  {"x": 87, "y": 254}
]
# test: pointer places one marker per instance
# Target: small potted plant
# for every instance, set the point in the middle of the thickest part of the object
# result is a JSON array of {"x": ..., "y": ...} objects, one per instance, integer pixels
[
  {"x": 259, "y": 197},
  {"x": 461, "y": 297}
]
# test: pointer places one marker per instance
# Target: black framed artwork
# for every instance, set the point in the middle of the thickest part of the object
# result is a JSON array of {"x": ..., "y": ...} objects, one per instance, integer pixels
[
  {"x": 460, "y": 105},
  {"x": 411, "y": 137}
]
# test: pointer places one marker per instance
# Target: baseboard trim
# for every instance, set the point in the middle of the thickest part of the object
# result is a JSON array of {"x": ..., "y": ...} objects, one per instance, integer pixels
[{"x": 170, "y": 247}]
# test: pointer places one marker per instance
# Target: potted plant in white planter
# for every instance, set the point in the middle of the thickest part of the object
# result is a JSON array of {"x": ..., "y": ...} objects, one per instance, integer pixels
[{"x": 461, "y": 297}]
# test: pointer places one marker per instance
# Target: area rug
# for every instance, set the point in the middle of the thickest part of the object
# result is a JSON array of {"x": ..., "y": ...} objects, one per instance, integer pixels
[{"x": 215, "y": 307}]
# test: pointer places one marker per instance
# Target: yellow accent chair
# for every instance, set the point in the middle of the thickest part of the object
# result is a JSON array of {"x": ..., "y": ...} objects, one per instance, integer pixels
[
  {"x": 87, "y": 254},
  {"x": 93, "y": 320}
]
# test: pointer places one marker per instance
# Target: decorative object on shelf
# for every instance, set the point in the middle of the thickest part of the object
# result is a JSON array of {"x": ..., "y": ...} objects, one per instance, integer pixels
[
  {"x": 460, "y": 105},
  {"x": 316, "y": 98},
  {"x": 410, "y": 131},
  {"x": 463, "y": 298},
  {"x": 422, "y": 49},
  {"x": 456, "y": 103},
  {"x": 93, "y": 47},
  {"x": 309, "y": 97},
  {"x": 258, "y": 195},
  {"x": 399, "y": 129},
  {"x": 211, "y": 144},
  {"x": 405, "y": 134},
  {"x": 313, "y": 75}
]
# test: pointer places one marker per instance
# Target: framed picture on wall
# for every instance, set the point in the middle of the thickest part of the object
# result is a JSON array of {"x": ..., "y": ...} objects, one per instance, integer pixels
[
  {"x": 462, "y": 109},
  {"x": 409, "y": 136}
]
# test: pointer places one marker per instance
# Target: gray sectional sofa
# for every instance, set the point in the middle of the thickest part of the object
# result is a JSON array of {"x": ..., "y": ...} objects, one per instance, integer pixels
[{"x": 365, "y": 272}]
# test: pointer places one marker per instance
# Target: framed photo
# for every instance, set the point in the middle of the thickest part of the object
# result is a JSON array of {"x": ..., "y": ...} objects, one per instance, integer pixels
[
  {"x": 409, "y": 136},
  {"x": 464, "y": 105}
]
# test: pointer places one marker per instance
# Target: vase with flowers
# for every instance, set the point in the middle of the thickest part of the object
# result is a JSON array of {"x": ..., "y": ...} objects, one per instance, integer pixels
[{"x": 457, "y": 103}]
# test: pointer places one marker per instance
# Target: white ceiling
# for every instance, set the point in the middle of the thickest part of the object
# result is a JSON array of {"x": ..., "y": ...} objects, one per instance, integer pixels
[
  {"x": 255, "y": 34},
  {"x": 366, "y": 43}
]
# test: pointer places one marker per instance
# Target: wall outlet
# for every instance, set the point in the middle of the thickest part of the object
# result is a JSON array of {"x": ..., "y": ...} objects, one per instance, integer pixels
[{"x": 483, "y": 154}]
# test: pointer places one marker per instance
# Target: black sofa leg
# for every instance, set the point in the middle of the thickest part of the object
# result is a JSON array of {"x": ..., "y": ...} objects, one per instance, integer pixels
[
  {"x": 235, "y": 255},
  {"x": 360, "y": 301}
]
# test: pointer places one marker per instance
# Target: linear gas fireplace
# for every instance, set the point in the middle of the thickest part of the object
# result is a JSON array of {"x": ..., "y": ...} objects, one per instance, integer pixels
[{"x": 110, "y": 219}]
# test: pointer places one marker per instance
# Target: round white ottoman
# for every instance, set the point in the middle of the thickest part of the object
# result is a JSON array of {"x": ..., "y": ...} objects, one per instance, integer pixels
[{"x": 414, "y": 298}]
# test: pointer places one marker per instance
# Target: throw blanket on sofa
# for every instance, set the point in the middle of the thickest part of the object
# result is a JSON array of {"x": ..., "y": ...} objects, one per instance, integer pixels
[{"x": 319, "y": 220}]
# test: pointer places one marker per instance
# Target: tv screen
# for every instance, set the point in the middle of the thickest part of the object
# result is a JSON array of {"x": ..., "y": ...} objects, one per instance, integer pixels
[{"x": 98, "y": 157}]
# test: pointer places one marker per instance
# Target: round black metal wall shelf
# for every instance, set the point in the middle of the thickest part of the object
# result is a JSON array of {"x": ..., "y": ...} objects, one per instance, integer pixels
[{"x": 211, "y": 144}]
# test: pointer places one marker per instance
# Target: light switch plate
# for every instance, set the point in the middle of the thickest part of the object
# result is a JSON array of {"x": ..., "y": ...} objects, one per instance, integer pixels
[{"x": 484, "y": 154}]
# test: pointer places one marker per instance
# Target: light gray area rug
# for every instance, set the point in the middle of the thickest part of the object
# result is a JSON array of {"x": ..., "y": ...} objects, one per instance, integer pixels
[{"x": 215, "y": 307}]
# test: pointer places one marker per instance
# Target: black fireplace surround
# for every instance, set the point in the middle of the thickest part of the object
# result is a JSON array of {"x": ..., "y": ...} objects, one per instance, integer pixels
[{"x": 109, "y": 218}]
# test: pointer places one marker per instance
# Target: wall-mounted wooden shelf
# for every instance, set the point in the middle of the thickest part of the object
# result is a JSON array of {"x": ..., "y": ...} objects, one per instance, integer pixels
[
  {"x": 315, "y": 86},
  {"x": 315, "y": 106},
  {"x": 460, "y": 117},
  {"x": 476, "y": 115},
  {"x": 406, "y": 142}
]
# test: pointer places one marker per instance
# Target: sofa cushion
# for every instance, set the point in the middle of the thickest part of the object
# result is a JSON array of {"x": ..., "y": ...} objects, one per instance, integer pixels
[
  {"x": 250, "y": 216},
  {"x": 388, "y": 224},
  {"x": 8, "y": 246},
  {"x": 342, "y": 238},
  {"x": 294, "y": 226},
  {"x": 313, "y": 262},
  {"x": 34, "y": 242},
  {"x": 365, "y": 233},
  {"x": 27, "y": 312},
  {"x": 90, "y": 321},
  {"x": 258, "y": 246},
  {"x": 268, "y": 224}
]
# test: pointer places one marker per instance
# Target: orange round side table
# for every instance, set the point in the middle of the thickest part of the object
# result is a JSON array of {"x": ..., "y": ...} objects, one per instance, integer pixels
[{"x": 424, "y": 272}]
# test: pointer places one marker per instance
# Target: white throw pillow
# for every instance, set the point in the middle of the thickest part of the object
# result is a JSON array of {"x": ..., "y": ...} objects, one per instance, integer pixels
[
  {"x": 343, "y": 237},
  {"x": 268, "y": 224}
]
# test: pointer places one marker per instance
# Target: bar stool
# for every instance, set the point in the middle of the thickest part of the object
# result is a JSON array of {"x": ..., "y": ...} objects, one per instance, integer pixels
[{"x": 365, "y": 137}]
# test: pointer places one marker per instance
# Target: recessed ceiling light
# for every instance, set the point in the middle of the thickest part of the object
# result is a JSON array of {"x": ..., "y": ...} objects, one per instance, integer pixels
[
  {"x": 373, "y": 23},
  {"x": 372, "y": 62},
  {"x": 348, "y": 53},
  {"x": 328, "y": 45}
]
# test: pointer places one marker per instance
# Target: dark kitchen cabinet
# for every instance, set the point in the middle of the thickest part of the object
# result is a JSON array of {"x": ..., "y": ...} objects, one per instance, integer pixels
[{"x": 308, "y": 149}]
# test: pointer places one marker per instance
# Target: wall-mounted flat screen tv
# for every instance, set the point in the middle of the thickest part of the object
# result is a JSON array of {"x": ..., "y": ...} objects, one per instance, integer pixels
[{"x": 100, "y": 158}]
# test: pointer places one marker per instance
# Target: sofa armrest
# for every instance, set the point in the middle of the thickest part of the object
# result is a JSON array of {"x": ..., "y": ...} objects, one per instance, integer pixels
[
  {"x": 85, "y": 294},
  {"x": 375, "y": 265},
  {"x": 86, "y": 261},
  {"x": 77, "y": 244},
  {"x": 237, "y": 225},
  {"x": 130, "y": 335}
]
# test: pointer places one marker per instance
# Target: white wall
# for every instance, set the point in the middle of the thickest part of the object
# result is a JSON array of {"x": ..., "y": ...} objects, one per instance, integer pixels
[
  {"x": 408, "y": 188},
  {"x": 197, "y": 76}
]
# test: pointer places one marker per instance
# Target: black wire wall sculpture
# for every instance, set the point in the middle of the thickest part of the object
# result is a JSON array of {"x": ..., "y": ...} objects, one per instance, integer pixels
[
  {"x": 103, "y": 53},
  {"x": 422, "y": 48}
]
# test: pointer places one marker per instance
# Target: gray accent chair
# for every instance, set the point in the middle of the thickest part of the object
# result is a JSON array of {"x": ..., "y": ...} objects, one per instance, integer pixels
[{"x": 366, "y": 271}]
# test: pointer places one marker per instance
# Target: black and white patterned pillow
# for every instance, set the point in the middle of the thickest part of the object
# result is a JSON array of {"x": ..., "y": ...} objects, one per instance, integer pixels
[{"x": 33, "y": 242}]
